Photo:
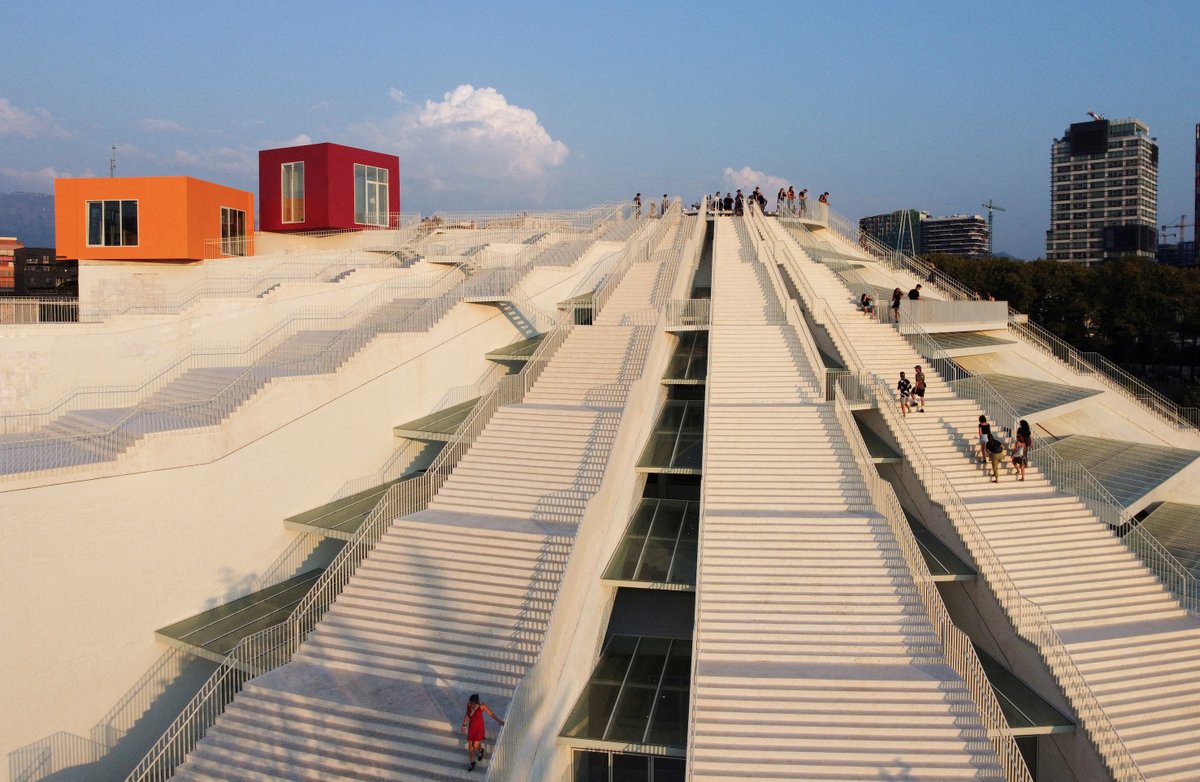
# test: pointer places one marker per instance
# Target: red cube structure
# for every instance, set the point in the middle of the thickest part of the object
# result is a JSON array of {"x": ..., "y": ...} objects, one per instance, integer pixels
[{"x": 318, "y": 187}]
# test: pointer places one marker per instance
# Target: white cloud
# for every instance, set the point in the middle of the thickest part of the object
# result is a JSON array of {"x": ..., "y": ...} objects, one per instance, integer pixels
[
  {"x": 747, "y": 179},
  {"x": 18, "y": 122},
  {"x": 239, "y": 160},
  {"x": 397, "y": 95},
  {"x": 470, "y": 139},
  {"x": 299, "y": 140},
  {"x": 41, "y": 179},
  {"x": 154, "y": 124}
]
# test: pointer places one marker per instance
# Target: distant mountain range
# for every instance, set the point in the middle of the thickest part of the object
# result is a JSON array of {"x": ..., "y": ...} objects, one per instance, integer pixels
[{"x": 29, "y": 217}]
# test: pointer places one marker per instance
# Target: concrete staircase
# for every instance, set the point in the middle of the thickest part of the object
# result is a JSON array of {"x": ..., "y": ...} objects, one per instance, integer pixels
[
  {"x": 454, "y": 599},
  {"x": 193, "y": 400},
  {"x": 1137, "y": 650},
  {"x": 814, "y": 657}
]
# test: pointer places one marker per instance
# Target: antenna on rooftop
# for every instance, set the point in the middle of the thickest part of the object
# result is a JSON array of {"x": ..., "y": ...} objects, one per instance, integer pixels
[
  {"x": 991, "y": 207},
  {"x": 112, "y": 162}
]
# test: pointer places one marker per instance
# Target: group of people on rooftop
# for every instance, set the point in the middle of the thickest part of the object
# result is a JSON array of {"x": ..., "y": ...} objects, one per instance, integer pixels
[
  {"x": 789, "y": 202},
  {"x": 794, "y": 203},
  {"x": 654, "y": 211}
]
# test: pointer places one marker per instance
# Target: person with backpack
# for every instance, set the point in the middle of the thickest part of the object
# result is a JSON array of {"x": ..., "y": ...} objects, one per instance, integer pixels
[{"x": 995, "y": 452}]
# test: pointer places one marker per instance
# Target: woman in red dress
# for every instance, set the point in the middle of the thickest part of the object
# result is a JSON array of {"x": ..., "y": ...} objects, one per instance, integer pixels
[{"x": 472, "y": 725}]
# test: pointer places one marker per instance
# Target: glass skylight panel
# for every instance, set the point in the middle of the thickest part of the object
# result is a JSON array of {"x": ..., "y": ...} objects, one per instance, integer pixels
[
  {"x": 638, "y": 694},
  {"x": 677, "y": 441},
  {"x": 659, "y": 546}
]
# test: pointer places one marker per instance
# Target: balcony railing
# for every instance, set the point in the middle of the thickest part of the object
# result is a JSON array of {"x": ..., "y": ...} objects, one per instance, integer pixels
[{"x": 24, "y": 310}]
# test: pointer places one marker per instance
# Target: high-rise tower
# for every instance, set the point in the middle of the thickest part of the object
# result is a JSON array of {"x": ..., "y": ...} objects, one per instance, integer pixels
[{"x": 1103, "y": 192}]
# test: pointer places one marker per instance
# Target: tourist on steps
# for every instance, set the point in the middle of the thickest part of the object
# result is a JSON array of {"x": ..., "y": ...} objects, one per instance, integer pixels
[
  {"x": 904, "y": 388},
  {"x": 995, "y": 451},
  {"x": 919, "y": 388},
  {"x": 472, "y": 725},
  {"x": 984, "y": 432},
  {"x": 1024, "y": 442}
]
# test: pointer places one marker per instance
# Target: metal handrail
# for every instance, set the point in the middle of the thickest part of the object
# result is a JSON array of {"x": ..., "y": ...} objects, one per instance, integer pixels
[
  {"x": 1113, "y": 376},
  {"x": 276, "y": 645},
  {"x": 958, "y": 650},
  {"x": 1027, "y": 617},
  {"x": 1069, "y": 477},
  {"x": 818, "y": 307},
  {"x": 682, "y": 313},
  {"x": 358, "y": 325},
  {"x": 29, "y": 310},
  {"x": 548, "y": 669}
]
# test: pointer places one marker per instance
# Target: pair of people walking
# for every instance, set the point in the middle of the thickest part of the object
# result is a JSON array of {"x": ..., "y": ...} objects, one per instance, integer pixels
[{"x": 912, "y": 392}]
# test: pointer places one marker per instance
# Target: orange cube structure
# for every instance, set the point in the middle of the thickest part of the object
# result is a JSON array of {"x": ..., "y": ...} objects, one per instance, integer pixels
[{"x": 159, "y": 218}]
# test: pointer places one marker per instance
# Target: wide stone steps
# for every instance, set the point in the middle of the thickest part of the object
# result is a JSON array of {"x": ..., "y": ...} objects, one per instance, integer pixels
[
  {"x": 1061, "y": 557},
  {"x": 453, "y": 599},
  {"x": 796, "y": 575},
  {"x": 271, "y": 734}
]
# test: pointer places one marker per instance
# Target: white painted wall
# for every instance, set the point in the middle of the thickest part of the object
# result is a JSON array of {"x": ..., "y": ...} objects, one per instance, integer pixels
[
  {"x": 40, "y": 365},
  {"x": 92, "y": 562}
]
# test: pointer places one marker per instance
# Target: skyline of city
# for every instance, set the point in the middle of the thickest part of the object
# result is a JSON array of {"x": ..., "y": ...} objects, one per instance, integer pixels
[{"x": 936, "y": 108}]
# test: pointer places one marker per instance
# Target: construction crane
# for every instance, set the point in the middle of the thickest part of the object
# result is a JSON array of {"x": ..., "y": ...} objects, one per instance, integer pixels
[
  {"x": 991, "y": 207},
  {"x": 1178, "y": 234}
]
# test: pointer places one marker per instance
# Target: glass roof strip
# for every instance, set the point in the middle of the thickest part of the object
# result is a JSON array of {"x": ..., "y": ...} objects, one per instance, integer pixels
[
  {"x": 632, "y": 713},
  {"x": 1127, "y": 470},
  {"x": 1028, "y": 397},
  {"x": 1176, "y": 526}
]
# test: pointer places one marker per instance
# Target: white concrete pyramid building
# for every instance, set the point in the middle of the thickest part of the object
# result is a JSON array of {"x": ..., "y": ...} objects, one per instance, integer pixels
[{"x": 858, "y": 601}]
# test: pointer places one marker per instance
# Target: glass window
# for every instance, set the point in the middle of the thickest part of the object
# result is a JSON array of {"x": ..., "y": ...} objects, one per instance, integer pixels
[
  {"x": 95, "y": 221},
  {"x": 292, "y": 192},
  {"x": 591, "y": 766},
  {"x": 129, "y": 223},
  {"x": 112, "y": 223},
  {"x": 233, "y": 231},
  {"x": 370, "y": 195}
]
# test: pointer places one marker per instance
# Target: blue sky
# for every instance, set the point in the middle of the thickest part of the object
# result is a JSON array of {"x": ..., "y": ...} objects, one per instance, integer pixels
[{"x": 937, "y": 106}]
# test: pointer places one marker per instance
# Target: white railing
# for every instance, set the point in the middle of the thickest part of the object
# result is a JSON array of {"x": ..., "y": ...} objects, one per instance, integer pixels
[
  {"x": 818, "y": 307},
  {"x": 1113, "y": 376},
  {"x": 937, "y": 315},
  {"x": 359, "y": 324},
  {"x": 958, "y": 649},
  {"x": 558, "y": 661},
  {"x": 276, "y": 645},
  {"x": 1068, "y": 477},
  {"x": 1027, "y": 617},
  {"x": 688, "y": 312},
  {"x": 26, "y": 310}
]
